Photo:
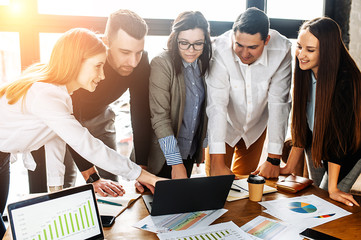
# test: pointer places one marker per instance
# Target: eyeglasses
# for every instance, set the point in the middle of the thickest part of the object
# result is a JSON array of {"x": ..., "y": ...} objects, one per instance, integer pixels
[{"x": 197, "y": 46}]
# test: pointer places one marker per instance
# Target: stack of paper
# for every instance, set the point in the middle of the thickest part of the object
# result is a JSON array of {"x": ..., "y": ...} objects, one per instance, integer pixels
[
  {"x": 180, "y": 221},
  {"x": 221, "y": 231},
  {"x": 304, "y": 211},
  {"x": 269, "y": 229}
]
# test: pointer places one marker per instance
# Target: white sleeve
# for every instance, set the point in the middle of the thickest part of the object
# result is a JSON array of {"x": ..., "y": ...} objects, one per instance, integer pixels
[
  {"x": 279, "y": 105},
  {"x": 53, "y": 106},
  {"x": 218, "y": 88},
  {"x": 54, "y": 158}
]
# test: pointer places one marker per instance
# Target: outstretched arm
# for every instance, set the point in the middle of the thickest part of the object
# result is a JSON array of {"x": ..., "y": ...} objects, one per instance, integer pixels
[
  {"x": 296, "y": 155},
  {"x": 335, "y": 193}
]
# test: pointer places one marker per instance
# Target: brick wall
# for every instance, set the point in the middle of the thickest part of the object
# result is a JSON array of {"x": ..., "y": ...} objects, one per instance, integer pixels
[{"x": 355, "y": 31}]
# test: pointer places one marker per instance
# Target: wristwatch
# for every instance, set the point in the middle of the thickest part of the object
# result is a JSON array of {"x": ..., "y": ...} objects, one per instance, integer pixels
[
  {"x": 274, "y": 161},
  {"x": 93, "y": 178}
]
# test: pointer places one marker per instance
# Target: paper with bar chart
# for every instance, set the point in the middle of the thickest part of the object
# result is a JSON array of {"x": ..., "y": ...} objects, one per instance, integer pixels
[
  {"x": 221, "y": 231},
  {"x": 180, "y": 221},
  {"x": 269, "y": 229},
  {"x": 70, "y": 218}
]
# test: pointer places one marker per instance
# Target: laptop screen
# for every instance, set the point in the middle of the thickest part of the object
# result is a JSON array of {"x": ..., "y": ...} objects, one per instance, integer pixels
[
  {"x": 188, "y": 195},
  {"x": 68, "y": 214}
]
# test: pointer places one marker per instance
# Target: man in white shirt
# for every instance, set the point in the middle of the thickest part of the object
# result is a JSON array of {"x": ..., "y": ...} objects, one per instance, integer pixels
[{"x": 248, "y": 92}]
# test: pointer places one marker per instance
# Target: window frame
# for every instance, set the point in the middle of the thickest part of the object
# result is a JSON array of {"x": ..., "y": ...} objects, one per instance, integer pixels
[{"x": 42, "y": 23}]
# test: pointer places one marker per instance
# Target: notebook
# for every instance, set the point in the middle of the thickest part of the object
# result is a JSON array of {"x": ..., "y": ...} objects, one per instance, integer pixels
[
  {"x": 70, "y": 214},
  {"x": 188, "y": 195},
  {"x": 114, "y": 206}
]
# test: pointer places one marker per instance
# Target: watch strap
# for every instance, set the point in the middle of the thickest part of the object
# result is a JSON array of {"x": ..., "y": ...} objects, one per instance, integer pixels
[
  {"x": 93, "y": 178},
  {"x": 274, "y": 161}
]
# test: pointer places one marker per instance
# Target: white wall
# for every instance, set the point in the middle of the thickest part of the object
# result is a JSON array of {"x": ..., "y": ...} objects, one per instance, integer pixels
[{"x": 355, "y": 31}]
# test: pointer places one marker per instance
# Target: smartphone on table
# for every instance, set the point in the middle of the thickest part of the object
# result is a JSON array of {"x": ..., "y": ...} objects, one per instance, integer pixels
[
  {"x": 316, "y": 235},
  {"x": 107, "y": 221}
]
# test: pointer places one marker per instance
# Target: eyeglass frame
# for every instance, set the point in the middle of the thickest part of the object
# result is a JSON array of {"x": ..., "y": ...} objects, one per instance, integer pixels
[{"x": 192, "y": 45}]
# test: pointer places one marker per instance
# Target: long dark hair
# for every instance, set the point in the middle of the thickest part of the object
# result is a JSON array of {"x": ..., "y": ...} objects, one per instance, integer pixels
[
  {"x": 185, "y": 21},
  {"x": 333, "y": 59}
]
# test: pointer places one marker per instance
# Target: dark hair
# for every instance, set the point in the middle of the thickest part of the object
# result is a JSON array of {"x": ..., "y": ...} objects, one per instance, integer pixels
[
  {"x": 185, "y": 21},
  {"x": 334, "y": 60},
  {"x": 252, "y": 21},
  {"x": 129, "y": 21}
]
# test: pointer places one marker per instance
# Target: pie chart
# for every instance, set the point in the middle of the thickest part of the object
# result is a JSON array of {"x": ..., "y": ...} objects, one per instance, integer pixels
[{"x": 301, "y": 207}]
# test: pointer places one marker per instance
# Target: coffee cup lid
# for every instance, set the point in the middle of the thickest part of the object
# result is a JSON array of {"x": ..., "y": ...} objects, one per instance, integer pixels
[{"x": 255, "y": 179}]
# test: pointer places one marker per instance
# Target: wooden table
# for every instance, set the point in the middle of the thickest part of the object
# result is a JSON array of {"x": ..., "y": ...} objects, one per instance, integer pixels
[{"x": 240, "y": 212}]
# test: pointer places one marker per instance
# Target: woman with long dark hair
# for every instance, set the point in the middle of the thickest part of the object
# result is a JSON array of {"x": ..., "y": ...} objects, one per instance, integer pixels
[
  {"x": 326, "y": 119},
  {"x": 177, "y": 97}
]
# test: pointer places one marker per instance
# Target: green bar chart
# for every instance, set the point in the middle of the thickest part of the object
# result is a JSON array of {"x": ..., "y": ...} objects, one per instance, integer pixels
[
  {"x": 62, "y": 219},
  {"x": 68, "y": 223}
]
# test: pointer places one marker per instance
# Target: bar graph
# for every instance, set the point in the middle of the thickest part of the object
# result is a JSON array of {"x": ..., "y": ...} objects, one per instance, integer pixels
[
  {"x": 59, "y": 219},
  {"x": 217, "y": 235},
  {"x": 221, "y": 231}
]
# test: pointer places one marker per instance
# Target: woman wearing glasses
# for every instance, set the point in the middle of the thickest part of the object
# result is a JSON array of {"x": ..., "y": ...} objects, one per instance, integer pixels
[{"x": 177, "y": 97}]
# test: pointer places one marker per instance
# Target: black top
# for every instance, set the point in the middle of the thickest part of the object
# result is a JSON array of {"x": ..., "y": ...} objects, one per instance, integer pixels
[
  {"x": 343, "y": 114},
  {"x": 87, "y": 105}
]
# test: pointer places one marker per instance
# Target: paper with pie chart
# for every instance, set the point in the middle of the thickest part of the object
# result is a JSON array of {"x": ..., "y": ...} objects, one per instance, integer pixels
[{"x": 307, "y": 211}]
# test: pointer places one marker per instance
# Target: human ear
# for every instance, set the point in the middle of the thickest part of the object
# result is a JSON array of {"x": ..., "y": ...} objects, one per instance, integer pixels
[{"x": 267, "y": 40}]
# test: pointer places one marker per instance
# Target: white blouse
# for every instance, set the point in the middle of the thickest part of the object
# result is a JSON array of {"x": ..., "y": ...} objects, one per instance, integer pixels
[{"x": 45, "y": 118}]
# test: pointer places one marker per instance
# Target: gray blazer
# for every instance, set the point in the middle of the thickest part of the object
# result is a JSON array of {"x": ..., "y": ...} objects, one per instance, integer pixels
[{"x": 167, "y": 100}]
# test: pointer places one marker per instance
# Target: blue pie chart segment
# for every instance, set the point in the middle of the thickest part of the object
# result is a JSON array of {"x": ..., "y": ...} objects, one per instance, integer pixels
[{"x": 301, "y": 207}]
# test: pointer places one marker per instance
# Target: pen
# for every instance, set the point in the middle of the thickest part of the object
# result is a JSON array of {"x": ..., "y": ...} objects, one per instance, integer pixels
[
  {"x": 240, "y": 187},
  {"x": 235, "y": 189},
  {"x": 108, "y": 202}
]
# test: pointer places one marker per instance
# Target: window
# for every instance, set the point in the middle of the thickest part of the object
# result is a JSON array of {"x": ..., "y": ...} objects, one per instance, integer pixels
[
  {"x": 153, "y": 45},
  {"x": 158, "y": 9},
  {"x": 9, "y": 56},
  {"x": 4, "y": 2},
  {"x": 47, "y": 42},
  {"x": 305, "y": 9}
]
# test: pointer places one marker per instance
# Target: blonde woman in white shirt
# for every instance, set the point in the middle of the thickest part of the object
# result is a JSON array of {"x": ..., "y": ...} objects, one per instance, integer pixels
[
  {"x": 248, "y": 94},
  {"x": 36, "y": 110}
]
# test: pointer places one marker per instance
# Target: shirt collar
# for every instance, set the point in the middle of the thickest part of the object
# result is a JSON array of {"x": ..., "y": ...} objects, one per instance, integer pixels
[
  {"x": 193, "y": 64},
  {"x": 313, "y": 78}
]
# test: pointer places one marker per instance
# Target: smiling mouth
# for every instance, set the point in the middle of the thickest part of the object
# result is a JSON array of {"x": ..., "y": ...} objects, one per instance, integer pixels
[
  {"x": 303, "y": 61},
  {"x": 247, "y": 58}
]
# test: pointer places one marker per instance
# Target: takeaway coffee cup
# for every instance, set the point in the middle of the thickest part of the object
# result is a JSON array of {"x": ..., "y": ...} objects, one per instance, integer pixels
[{"x": 255, "y": 187}]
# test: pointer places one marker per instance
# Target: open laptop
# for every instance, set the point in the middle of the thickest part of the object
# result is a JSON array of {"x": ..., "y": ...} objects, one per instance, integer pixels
[
  {"x": 188, "y": 195},
  {"x": 71, "y": 214}
]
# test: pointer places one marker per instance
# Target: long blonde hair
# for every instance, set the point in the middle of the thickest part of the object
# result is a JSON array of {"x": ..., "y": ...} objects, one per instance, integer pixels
[{"x": 72, "y": 48}]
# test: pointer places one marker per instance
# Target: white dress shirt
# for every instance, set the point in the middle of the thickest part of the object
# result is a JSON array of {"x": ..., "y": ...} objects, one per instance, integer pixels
[
  {"x": 245, "y": 99},
  {"x": 45, "y": 118}
]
